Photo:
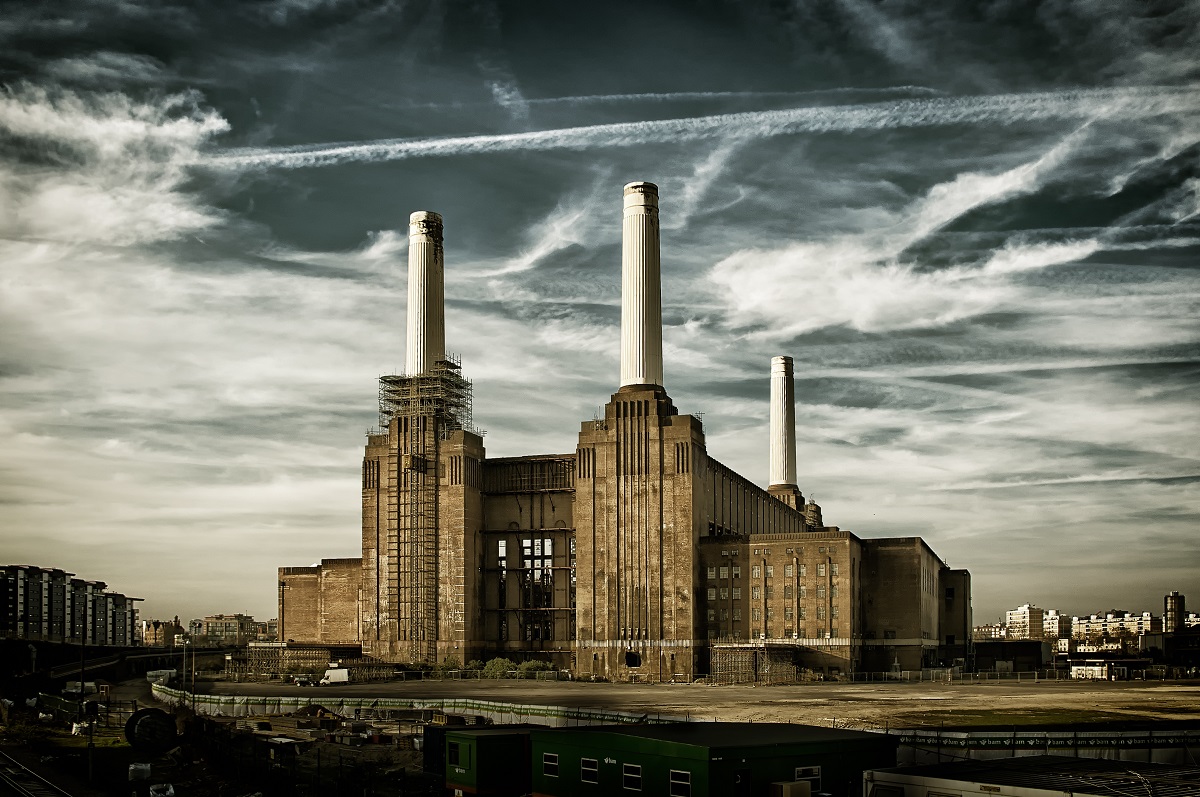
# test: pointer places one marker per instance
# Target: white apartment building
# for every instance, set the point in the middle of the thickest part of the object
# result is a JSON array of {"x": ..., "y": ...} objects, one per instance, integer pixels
[
  {"x": 1114, "y": 624},
  {"x": 1056, "y": 625},
  {"x": 1025, "y": 622}
]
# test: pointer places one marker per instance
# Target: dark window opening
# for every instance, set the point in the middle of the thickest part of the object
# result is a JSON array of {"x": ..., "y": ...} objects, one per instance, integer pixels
[{"x": 632, "y": 659}]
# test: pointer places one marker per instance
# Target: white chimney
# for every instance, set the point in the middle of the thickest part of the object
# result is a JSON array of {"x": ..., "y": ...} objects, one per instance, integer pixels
[
  {"x": 783, "y": 423},
  {"x": 426, "y": 311},
  {"x": 641, "y": 295}
]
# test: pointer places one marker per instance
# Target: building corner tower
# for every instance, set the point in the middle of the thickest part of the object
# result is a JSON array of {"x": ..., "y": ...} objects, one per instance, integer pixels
[
  {"x": 422, "y": 506},
  {"x": 636, "y": 497}
]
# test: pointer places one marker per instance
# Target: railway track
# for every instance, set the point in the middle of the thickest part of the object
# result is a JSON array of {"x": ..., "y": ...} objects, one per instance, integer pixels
[{"x": 16, "y": 778}]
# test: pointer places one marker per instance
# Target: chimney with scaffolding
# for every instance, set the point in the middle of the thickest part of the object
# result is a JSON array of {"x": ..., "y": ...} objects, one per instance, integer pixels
[{"x": 413, "y": 555}]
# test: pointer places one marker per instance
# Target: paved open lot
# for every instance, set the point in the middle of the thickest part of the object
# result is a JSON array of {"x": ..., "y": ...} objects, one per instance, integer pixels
[{"x": 843, "y": 705}]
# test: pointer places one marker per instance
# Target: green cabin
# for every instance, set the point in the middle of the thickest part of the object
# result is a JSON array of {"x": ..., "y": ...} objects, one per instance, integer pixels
[
  {"x": 704, "y": 759},
  {"x": 489, "y": 761}
]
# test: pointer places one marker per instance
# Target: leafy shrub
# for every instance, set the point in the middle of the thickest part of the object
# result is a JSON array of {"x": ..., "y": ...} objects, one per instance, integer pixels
[
  {"x": 498, "y": 668},
  {"x": 527, "y": 669}
]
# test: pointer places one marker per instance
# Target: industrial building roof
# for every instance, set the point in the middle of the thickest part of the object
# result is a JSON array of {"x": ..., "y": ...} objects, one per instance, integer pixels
[
  {"x": 732, "y": 734},
  {"x": 1082, "y": 776}
]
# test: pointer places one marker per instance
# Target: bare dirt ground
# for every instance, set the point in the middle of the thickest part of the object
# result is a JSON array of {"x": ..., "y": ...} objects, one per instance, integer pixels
[{"x": 843, "y": 705}]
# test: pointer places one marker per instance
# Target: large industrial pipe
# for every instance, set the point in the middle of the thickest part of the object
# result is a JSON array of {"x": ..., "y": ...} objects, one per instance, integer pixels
[
  {"x": 783, "y": 423},
  {"x": 641, "y": 294},
  {"x": 426, "y": 342}
]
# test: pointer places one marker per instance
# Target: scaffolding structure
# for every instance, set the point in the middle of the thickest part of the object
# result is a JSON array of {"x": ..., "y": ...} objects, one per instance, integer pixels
[
  {"x": 426, "y": 408},
  {"x": 747, "y": 663}
]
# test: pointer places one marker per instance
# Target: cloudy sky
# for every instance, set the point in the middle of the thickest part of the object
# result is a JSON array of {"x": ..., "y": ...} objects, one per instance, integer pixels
[{"x": 974, "y": 225}]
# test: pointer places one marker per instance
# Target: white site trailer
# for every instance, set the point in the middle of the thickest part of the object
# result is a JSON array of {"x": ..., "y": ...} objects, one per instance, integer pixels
[{"x": 1034, "y": 776}]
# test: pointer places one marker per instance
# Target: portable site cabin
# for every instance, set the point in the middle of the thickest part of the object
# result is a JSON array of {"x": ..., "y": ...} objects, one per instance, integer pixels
[
  {"x": 705, "y": 759},
  {"x": 1035, "y": 776},
  {"x": 488, "y": 761}
]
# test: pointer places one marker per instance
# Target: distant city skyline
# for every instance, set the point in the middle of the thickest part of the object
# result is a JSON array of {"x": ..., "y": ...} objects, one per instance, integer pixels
[{"x": 975, "y": 228}]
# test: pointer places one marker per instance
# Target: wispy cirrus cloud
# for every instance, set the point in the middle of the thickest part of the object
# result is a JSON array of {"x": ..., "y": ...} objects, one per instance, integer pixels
[
  {"x": 1005, "y": 109},
  {"x": 102, "y": 167}
]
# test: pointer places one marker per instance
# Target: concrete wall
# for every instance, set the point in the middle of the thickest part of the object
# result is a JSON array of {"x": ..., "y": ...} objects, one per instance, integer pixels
[
  {"x": 956, "y": 619},
  {"x": 299, "y": 603},
  {"x": 321, "y": 603},
  {"x": 902, "y": 590}
]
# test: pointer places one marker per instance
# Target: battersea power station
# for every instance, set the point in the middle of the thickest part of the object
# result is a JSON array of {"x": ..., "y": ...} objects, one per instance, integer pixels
[{"x": 638, "y": 556}]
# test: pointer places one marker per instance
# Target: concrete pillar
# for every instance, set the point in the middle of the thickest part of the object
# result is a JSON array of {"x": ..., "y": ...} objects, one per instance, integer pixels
[
  {"x": 426, "y": 342},
  {"x": 641, "y": 294},
  {"x": 783, "y": 423}
]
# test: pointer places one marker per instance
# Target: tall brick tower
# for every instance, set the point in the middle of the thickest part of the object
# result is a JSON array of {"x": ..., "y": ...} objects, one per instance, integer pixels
[
  {"x": 637, "y": 500},
  {"x": 421, "y": 479}
]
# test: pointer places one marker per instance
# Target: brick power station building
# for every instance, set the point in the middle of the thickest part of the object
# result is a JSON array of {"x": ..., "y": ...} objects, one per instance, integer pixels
[{"x": 637, "y": 556}]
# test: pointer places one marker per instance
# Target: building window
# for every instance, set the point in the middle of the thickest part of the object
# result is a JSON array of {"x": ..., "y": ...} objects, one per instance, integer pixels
[
  {"x": 770, "y": 591},
  {"x": 803, "y": 591},
  {"x": 756, "y": 614},
  {"x": 789, "y": 550},
  {"x": 737, "y": 593},
  {"x": 756, "y": 572},
  {"x": 803, "y": 613},
  {"x": 681, "y": 784},
  {"x": 787, "y": 612},
  {"x": 724, "y": 594},
  {"x": 803, "y": 570},
  {"x": 833, "y": 592},
  {"x": 724, "y": 615},
  {"x": 712, "y": 615},
  {"x": 589, "y": 770},
  {"x": 724, "y": 573},
  {"x": 756, "y": 552},
  {"x": 550, "y": 765},
  {"x": 766, "y": 551},
  {"x": 812, "y": 775},
  {"x": 787, "y": 571},
  {"x": 712, "y": 593},
  {"x": 821, "y": 549},
  {"x": 833, "y": 612},
  {"x": 712, "y": 572},
  {"x": 787, "y": 590},
  {"x": 755, "y": 593},
  {"x": 820, "y": 570},
  {"x": 820, "y": 612},
  {"x": 770, "y": 613},
  {"x": 737, "y": 571},
  {"x": 737, "y": 615},
  {"x": 820, "y": 592},
  {"x": 833, "y": 569},
  {"x": 770, "y": 571},
  {"x": 631, "y": 777}
]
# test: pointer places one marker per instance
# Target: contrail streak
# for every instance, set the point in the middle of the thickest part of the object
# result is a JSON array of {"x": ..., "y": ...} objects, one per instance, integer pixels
[
  {"x": 686, "y": 96},
  {"x": 996, "y": 110}
]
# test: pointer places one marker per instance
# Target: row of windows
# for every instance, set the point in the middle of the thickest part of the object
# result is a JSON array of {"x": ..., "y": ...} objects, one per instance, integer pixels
[
  {"x": 631, "y": 775},
  {"x": 787, "y": 633},
  {"x": 756, "y": 571},
  {"x": 756, "y": 593},
  {"x": 797, "y": 551},
  {"x": 788, "y": 613}
]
